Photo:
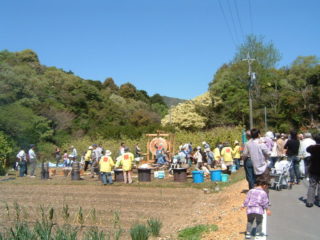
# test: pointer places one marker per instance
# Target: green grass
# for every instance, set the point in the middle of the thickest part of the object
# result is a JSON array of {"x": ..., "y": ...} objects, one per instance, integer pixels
[
  {"x": 155, "y": 226},
  {"x": 196, "y": 232},
  {"x": 139, "y": 232}
]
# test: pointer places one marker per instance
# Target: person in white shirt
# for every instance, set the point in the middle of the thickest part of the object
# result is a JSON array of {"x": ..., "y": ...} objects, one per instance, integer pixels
[
  {"x": 22, "y": 162},
  {"x": 33, "y": 160},
  {"x": 306, "y": 142},
  {"x": 274, "y": 153}
]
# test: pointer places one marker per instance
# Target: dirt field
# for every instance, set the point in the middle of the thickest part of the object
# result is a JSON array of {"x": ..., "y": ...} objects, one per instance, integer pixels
[{"x": 177, "y": 207}]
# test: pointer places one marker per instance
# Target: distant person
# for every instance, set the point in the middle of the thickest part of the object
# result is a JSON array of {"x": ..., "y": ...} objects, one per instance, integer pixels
[
  {"x": 74, "y": 154},
  {"x": 292, "y": 147},
  {"x": 88, "y": 158},
  {"x": 281, "y": 141},
  {"x": 304, "y": 144},
  {"x": 57, "y": 154},
  {"x": 217, "y": 155},
  {"x": 236, "y": 154},
  {"x": 274, "y": 153},
  {"x": 33, "y": 160},
  {"x": 137, "y": 151},
  {"x": 96, "y": 155},
  {"x": 106, "y": 164},
  {"x": 226, "y": 155},
  {"x": 22, "y": 162},
  {"x": 259, "y": 154},
  {"x": 314, "y": 171},
  {"x": 256, "y": 202},
  {"x": 66, "y": 160},
  {"x": 197, "y": 156},
  {"x": 126, "y": 161},
  {"x": 248, "y": 167},
  {"x": 121, "y": 149}
]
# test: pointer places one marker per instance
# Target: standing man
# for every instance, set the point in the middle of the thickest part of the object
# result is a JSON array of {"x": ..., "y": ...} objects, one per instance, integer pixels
[
  {"x": 126, "y": 161},
  {"x": 314, "y": 171},
  {"x": 57, "y": 154},
  {"x": 74, "y": 154},
  {"x": 305, "y": 143},
  {"x": 259, "y": 153},
  {"x": 236, "y": 154},
  {"x": 33, "y": 160},
  {"x": 292, "y": 146},
  {"x": 106, "y": 164},
  {"x": 248, "y": 167},
  {"x": 96, "y": 155}
]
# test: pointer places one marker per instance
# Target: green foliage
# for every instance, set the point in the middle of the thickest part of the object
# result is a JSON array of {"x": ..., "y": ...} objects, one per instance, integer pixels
[
  {"x": 289, "y": 94},
  {"x": 265, "y": 54},
  {"x": 155, "y": 226},
  {"x": 95, "y": 234},
  {"x": 66, "y": 232},
  {"x": 21, "y": 231},
  {"x": 5, "y": 151},
  {"x": 139, "y": 232},
  {"x": 40, "y": 104},
  {"x": 195, "y": 233}
]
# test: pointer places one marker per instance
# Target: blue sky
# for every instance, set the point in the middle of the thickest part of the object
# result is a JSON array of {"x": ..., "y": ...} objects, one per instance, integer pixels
[{"x": 171, "y": 47}]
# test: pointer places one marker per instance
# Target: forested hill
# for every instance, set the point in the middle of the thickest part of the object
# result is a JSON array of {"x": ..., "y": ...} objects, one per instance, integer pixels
[
  {"x": 40, "y": 103},
  {"x": 170, "y": 101}
]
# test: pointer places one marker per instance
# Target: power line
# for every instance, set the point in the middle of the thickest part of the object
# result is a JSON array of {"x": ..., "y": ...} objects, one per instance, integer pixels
[
  {"x": 238, "y": 16},
  {"x": 226, "y": 21},
  {"x": 250, "y": 16},
  {"x": 233, "y": 22}
]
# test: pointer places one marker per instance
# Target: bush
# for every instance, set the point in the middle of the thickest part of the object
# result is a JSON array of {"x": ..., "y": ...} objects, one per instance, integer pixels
[
  {"x": 155, "y": 226},
  {"x": 139, "y": 232}
]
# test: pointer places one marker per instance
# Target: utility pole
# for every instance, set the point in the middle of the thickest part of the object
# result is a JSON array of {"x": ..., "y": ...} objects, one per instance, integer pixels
[{"x": 252, "y": 77}]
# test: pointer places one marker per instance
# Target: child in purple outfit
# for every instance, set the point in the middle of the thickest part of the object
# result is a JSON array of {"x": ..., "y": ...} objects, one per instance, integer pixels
[{"x": 256, "y": 202}]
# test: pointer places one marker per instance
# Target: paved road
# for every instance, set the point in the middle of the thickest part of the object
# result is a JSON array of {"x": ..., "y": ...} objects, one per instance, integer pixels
[{"x": 291, "y": 219}]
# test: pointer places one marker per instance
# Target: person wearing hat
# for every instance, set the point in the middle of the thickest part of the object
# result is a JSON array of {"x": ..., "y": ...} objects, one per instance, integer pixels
[
  {"x": 33, "y": 160},
  {"x": 226, "y": 154},
  {"x": 88, "y": 158},
  {"x": 106, "y": 164},
  {"x": 126, "y": 161},
  {"x": 236, "y": 154}
]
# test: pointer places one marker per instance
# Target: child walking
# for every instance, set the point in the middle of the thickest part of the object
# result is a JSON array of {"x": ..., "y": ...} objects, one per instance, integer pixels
[{"x": 256, "y": 202}]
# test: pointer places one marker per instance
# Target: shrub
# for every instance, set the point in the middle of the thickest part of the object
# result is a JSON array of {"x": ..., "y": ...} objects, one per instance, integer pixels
[
  {"x": 139, "y": 232},
  {"x": 155, "y": 226}
]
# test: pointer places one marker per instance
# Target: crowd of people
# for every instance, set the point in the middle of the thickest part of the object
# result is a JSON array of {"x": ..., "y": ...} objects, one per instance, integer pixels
[
  {"x": 262, "y": 154},
  {"x": 202, "y": 157}
]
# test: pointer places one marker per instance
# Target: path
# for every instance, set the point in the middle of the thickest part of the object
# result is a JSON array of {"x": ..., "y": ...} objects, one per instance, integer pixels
[{"x": 291, "y": 219}]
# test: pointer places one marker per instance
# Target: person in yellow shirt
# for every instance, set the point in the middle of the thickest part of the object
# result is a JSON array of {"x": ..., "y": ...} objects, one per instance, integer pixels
[
  {"x": 106, "y": 164},
  {"x": 226, "y": 154},
  {"x": 88, "y": 158},
  {"x": 217, "y": 155},
  {"x": 236, "y": 154},
  {"x": 126, "y": 161}
]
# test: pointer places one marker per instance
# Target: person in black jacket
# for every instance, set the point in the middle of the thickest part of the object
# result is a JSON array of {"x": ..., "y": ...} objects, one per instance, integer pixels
[
  {"x": 292, "y": 147},
  {"x": 314, "y": 170}
]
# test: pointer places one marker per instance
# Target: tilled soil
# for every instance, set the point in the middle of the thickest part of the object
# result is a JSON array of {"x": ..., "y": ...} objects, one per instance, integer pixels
[{"x": 177, "y": 208}]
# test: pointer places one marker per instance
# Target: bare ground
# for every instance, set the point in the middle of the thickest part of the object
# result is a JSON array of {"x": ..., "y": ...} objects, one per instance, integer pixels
[{"x": 177, "y": 207}]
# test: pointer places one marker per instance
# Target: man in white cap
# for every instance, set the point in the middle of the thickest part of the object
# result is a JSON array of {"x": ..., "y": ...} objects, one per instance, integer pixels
[{"x": 106, "y": 164}]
